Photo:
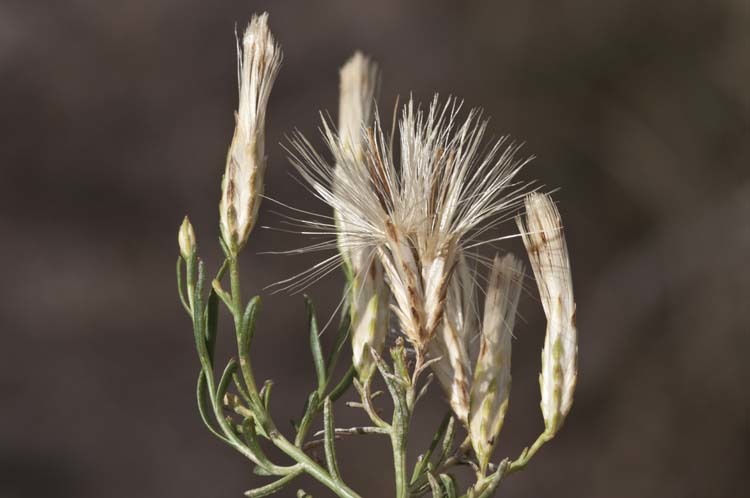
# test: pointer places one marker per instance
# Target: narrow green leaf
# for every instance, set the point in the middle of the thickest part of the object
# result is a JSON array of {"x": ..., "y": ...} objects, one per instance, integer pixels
[
  {"x": 212, "y": 323},
  {"x": 275, "y": 486},
  {"x": 447, "y": 443},
  {"x": 317, "y": 352},
  {"x": 265, "y": 394},
  {"x": 180, "y": 284},
  {"x": 329, "y": 440},
  {"x": 203, "y": 408},
  {"x": 198, "y": 321},
  {"x": 311, "y": 407},
  {"x": 241, "y": 389},
  {"x": 434, "y": 487},
  {"x": 247, "y": 331},
  {"x": 222, "y": 269},
  {"x": 343, "y": 385},
  {"x": 341, "y": 340},
  {"x": 449, "y": 484},
  {"x": 250, "y": 436},
  {"x": 421, "y": 465},
  {"x": 226, "y": 377}
]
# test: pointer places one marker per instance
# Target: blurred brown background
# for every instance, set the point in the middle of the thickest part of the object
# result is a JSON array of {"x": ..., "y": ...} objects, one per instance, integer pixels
[{"x": 115, "y": 120}]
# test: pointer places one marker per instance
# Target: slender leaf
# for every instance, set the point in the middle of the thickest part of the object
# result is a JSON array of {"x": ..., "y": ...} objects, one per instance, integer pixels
[
  {"x": 212, "y": 323},
  {"x": 265, "y": 394},
  {"x": 434, "y": 487},
  {"x": 449, "y": 484},
  {"x": 247, "y": 331},
  {"x": 203, "y": 408},
  {"x": 329, "y": 440},
  {"x": 180, "y": 284},
  {"x": 226, "y": 377},
  {"x": 421, "y": 465},
  {"x": 275, "y": 486},
  {"x": 341, "y": 340},
  {"x": 343, "y": 385},
  {"x": 315, "y": 348}
]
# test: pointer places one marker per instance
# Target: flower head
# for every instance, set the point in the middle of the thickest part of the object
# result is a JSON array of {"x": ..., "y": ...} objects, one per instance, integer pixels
[
  {"x": 545, "y": 243},
  {"x": 450, "y": 347},
  {"x": 420, "y": 212},
  {"x": 258, "y": 61},
  {"x": 490, "y": 389}
]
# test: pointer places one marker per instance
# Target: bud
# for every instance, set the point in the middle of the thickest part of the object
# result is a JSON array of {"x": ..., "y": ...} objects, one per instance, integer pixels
[
  {"x": 545, "y": 243},
  {"x": 490, "y": 389},
  {"x": 258, "y": 61},
  {"x": 369, "y": 318},
  {"x": 186, "y": 239},
  {"x": 369, "y": 294},
  {"x": 359, "y": 80},
  {"x": 451, "y": 341}
]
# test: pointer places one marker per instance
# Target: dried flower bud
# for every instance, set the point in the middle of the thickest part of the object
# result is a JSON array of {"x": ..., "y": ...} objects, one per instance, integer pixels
[
  {"x": 358, "y": 90},
  {"x": 490, "y": 389},
  {"x": 545, "y": 243},
  {"x": 369, "y": 296},
  {"x": 450, "y": 344},
  {"x": 259, "y": 59},
  {"x": 186, "y": 239}
]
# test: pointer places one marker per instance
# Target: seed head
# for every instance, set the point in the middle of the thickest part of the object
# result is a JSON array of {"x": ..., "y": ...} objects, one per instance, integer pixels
[
  {"x": 545, "y": 243},
  {"x": 258, "y": 61},
  {"x": 419, "y": 213}
]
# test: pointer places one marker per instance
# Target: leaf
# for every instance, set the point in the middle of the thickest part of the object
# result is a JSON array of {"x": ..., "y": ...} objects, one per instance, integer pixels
[
  {"x": 341, "y": 340},
  {"x": 439, "y": 435},
  {"x": 226, "y": 377},
  {"x": 273, "y": 487},
  {"x": 317, "y": 352},
  {"x": 212, "y": 323},
  {"x": 247, "y": 329},
  {"x": 265, "y": 394},
  {"x": 449, "y": 484},
  {"x": 180, "y": 291},
  {"x": 343, "y": 385},
  {"x": 203, "y": 406},
  {"x": 329, "y": 439},
  {"x": 198, "y": 321},
  {"x": 434, "y": 486}
]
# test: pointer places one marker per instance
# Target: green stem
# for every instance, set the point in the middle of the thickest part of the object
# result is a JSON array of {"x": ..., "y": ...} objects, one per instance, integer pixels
[
  {"x": 311, "y": 467},
  {"x": 528, "y": 453}
]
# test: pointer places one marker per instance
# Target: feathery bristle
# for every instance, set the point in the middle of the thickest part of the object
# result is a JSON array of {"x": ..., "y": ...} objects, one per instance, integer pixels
[{"x": 444, "y": 193}]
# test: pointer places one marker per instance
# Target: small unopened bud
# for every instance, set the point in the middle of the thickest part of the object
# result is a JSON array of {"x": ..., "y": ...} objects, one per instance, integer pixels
[
  {"x": 186, "y": 239},
  {"x": 490, "y": 389},
  {"x": 258, "y": 59},
  {"x": 545, "y": 243}
]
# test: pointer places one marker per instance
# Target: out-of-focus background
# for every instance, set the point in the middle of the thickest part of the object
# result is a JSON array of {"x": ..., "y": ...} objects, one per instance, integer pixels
[{"x": 115, "y": 117}]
